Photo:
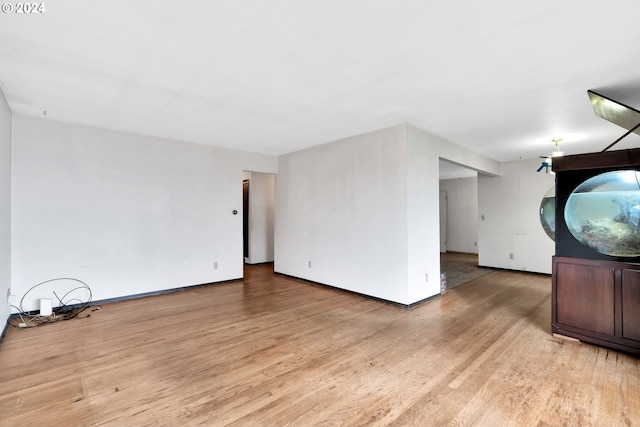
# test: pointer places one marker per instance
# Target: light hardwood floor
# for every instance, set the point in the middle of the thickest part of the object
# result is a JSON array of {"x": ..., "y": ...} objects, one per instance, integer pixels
[
  {"x": 275, "y": 351},
  {"x": 461, "y": 268}
]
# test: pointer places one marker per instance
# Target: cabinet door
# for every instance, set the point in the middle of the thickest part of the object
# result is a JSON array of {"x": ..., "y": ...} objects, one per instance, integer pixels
[
  {"x": 631, "y": 304},
  {"x": 585, "y": 297}
]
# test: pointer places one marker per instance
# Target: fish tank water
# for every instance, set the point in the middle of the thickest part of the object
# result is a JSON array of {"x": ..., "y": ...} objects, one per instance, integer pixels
[
  {"x": 548, "y": 213},
  {"x": 603, "y": 213}
]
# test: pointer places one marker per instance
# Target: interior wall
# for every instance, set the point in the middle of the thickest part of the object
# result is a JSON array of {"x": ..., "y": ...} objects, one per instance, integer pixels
[
  {"x": 341, "y": 214},
  {"x": 362, "y": 213},
  {"x": 424, "y": 153},
  {"x": 462, "y": 214},
  {"x": 423, "y": 213},
  {"x": 261, "y": 217},
  {"x": 127, "y": 214},
  {"x": 5, "y": 207},
  {"x": 509, "y": 231}
]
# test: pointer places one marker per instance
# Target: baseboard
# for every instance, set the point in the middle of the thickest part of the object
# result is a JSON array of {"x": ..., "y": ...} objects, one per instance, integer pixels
[
  {"x": 422, "y": 301},
  {"x": 161, "y": 292},
  {"x": 382, "y": 300}
]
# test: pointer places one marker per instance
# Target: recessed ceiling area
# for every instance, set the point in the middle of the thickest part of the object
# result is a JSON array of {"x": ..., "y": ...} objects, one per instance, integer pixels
[{"x": 500, "y": 78}]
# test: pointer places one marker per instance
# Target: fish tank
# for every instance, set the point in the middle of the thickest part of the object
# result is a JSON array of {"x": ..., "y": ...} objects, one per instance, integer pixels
[
  {"x": 603, "y": 213},
  {"x": 548, "y": 213}
]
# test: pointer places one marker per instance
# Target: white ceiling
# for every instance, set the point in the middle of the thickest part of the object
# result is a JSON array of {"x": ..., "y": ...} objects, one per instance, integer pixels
[{"x": 500, "y": 77}]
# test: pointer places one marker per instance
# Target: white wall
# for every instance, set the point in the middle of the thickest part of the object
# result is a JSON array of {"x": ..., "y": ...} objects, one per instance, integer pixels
[
  {"x": 342, "y": 207},
  {"x": 364, "y": 211},
  {"x": 462, "y": 214},
  {"x": 127, "y": 214},
  {"x": 424, "y": 153},
  {"x": 132, "y": 214},
  {"x": 261, "y": 216},
  {"x": 5, "y": 207},
  {"x": 510, "y": 205}
]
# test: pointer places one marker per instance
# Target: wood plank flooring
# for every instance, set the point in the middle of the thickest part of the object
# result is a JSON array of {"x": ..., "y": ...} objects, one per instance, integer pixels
[
  {"x": 275, "y": 351},
  {"x": 461, "y": 268}
]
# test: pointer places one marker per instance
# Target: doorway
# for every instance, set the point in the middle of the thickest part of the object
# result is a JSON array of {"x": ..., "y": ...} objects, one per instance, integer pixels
[
  {"x": 258, "y": 195},
  {"x": 245, "y": 218},
  {"x": 458, "y": 223}
]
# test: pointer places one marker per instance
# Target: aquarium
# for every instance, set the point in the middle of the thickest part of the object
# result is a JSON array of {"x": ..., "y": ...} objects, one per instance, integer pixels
[
  {"x": 603, "y": 213},
  {"x": 548, "y": 213}
]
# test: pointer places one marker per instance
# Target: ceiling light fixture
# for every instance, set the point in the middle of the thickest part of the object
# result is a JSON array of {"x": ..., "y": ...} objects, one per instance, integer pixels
[{"x": 556, "y": 150}]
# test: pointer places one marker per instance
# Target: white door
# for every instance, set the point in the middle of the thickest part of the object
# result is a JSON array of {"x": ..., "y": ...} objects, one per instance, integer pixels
[{"x": 443, "y": 221}]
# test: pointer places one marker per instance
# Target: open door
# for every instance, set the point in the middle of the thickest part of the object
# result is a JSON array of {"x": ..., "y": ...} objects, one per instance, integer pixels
[{"x": 443, "y": 221}]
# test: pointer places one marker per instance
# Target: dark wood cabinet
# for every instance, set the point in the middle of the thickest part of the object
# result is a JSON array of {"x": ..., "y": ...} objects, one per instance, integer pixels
[
  {"x": 630, "y": 296},
  {"x": 596, "y": 285},
  {"x": 597, "y": 301}
]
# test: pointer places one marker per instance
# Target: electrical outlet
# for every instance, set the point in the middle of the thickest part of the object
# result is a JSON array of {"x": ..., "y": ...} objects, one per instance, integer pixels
[
  {"x": 215, "y": 265},
  {"x": 309, "y": 263},
  {"x": 426, "y": 277},
  {"x": 511, "y": 256}
]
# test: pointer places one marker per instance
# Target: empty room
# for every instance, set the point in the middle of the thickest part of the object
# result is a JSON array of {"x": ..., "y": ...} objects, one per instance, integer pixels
[{"x": 315, "y": 214}]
